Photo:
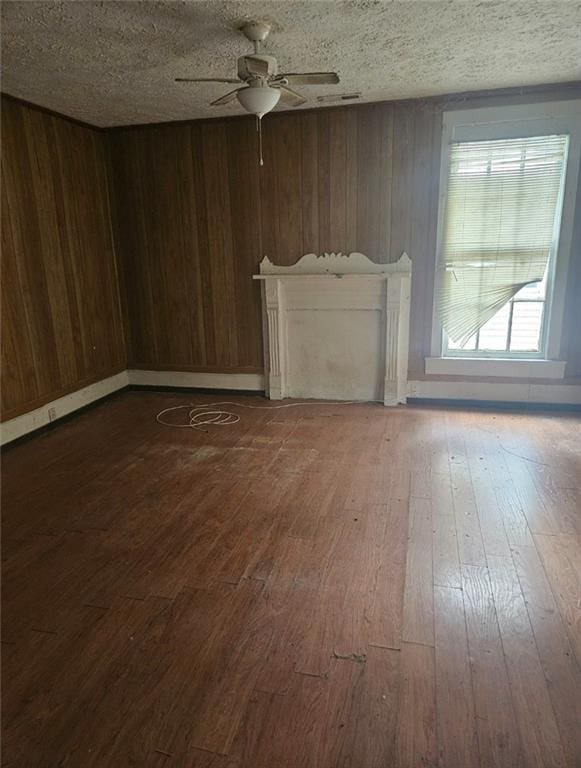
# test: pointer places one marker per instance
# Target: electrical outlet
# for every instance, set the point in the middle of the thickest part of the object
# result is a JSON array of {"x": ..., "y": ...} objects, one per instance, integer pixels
[{"x": 51, "y": 414}]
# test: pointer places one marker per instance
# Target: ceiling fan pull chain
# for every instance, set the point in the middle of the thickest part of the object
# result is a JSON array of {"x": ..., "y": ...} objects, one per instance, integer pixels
[{"x": 259, "y": 129}]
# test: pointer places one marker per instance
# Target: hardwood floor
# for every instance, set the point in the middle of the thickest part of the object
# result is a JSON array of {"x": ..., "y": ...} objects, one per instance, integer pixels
[{"x": 313, "y": 587}]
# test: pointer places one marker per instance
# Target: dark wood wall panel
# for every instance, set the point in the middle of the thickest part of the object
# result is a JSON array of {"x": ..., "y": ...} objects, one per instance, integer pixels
[
  {"x": 61, "y": 320},
  {"x": 196, "y": 214},
  {"x": 192, "y": 214},
  {"x": 187, "y": 222}
]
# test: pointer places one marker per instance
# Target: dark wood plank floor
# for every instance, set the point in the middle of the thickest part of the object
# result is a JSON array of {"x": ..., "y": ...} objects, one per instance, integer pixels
[{"x": 318, "y": 587}]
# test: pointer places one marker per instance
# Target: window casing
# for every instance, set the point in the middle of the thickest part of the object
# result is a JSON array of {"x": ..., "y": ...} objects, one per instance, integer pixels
[{"x": 543, "y": 302}]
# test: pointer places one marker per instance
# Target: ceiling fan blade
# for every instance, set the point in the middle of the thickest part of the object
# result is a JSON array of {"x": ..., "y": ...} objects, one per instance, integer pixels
[
  {"x": 205, "y": 80},
  {"x": 310, "y": 78},
  {"x": 256, "y": 66},
  {"x": 226, "y": 99},
  {"x": 290, "y": 97}
]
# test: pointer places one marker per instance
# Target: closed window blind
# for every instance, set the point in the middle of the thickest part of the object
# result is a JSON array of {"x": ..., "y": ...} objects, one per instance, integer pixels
[{"x": 500, "y": 226}]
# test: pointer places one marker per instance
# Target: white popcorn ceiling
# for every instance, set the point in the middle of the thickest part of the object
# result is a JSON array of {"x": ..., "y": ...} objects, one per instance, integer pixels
[{"x": 114, "y": 63}]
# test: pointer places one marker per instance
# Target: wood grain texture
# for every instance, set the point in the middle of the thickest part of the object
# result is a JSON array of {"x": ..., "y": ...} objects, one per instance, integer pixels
[
  {"x": 416, "y": 741},
  {"x": 61, "y": 319},
  {"x": 195, "y": 214},
  {"x": 192, "y": 215},
  {"x": 562, "y": 672},
  {"x": 498, "y": 735},
  {"x": 241, "y": 598},
  {"x": 458, "y": 744},
  {"x": 418, "y": 603},
  {"x": 561, "y": 557},
  {"x": 531, "y": 700}
]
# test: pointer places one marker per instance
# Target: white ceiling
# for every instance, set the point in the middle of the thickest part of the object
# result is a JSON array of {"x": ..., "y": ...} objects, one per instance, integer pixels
[{"x": 114, "y": 63}]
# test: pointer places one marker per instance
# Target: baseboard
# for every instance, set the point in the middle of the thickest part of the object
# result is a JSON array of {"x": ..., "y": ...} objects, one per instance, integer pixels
[
  {"x": 244, "y": 382},
  {"x": 469, "y": 393},
  {"x": 521, "y": 394},
  {"x": 50, "y": 412}
]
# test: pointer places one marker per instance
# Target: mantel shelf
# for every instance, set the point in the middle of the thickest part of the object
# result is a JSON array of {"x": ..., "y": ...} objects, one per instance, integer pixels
[
  {"x": 338, "y": 275},
  {"x": 335, "y": 265}
]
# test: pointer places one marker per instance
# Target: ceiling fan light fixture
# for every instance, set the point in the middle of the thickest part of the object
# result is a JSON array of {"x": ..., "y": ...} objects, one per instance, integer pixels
[{"x": 258, "y": 100}]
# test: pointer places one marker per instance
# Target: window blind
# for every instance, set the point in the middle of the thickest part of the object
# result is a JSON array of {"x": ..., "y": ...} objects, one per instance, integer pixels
[{"x": 502, "y": 206}]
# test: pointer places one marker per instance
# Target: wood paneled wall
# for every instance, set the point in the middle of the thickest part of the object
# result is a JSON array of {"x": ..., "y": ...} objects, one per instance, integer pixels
[
  {"x": 196, "y": 214},
  {"x": 61, "y": 320},
  {"x": 192, "y": 214},
  {"x": 187, "y": 221}
]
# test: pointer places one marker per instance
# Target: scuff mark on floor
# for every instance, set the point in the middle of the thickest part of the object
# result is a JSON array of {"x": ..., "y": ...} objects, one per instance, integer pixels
[{"x": 358, "y": 658}]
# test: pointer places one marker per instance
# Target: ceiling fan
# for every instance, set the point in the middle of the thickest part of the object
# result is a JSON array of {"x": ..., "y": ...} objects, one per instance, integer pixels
[{"x": 262, "y": 85}]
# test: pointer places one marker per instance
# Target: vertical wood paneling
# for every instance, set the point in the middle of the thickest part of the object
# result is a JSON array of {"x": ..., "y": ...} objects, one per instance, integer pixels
[
  {"x": 309, "y": 158},
  {"x": 285, "y": 209},
  {"x": 193, "y": 214},
  {"x": 201, "y": 249},
  {"x": 351, "y": 188},
  {"x": 401, "y": 180},
  {"x": 362, "y": 178},
  {"x": 219, "y": 221},
  {"x": 324, "y": 180},
  {"x": 339, "y": 180},
  {"x": 246, "y": 237},
  {"x": 61, "y": 320}
]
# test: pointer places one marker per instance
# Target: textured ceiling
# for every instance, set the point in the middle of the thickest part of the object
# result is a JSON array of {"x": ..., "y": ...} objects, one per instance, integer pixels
[{"x": 113, "y": 63}]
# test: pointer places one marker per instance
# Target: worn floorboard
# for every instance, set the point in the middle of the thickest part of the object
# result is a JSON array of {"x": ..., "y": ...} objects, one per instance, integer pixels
[{"x": 342, "y": 586}]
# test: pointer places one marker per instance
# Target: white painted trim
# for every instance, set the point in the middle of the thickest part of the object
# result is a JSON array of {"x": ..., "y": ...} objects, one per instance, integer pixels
[
  {"x": 348, "y": 264},
  {"x": 560, "y": 117},
  {"x": 28, "y": 422},
  {"x": 298, "y": 338},
  {"x": 511, "y": 392},
  {"x": 249, "y": 381},
  {"x": 471, "y": 366},
  {"x": 453, "y": 390},
  {"x": 510, "y": 113}
]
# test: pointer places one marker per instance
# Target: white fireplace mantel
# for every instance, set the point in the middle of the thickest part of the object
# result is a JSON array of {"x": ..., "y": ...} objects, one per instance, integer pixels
[{"x": 336, "y": 327}]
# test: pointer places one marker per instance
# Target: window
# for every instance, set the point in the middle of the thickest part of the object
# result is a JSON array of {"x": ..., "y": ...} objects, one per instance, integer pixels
[
  {"x": 516, "y": 328},
  {"x": 501, "y": 227},
  {"x": 504, "y": 233}
]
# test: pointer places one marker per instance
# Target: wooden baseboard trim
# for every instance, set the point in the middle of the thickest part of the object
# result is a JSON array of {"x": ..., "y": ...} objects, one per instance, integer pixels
[{"x": 54, "y": 411}]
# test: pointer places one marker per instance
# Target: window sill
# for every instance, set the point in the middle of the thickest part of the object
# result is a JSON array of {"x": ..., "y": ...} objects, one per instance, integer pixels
[{"x": 478, "y": 366}]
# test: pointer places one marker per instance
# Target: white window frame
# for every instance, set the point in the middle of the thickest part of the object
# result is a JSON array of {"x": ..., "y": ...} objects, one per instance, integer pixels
[{"x": 544, "y": 119}]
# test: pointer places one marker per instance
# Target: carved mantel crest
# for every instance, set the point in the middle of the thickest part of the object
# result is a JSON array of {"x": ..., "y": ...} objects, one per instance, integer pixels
[{"x": 335, "y": 264}]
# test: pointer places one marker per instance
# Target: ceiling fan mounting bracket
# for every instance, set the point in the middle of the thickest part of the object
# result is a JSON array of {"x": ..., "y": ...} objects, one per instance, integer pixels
[{"x": 256, "y": 31}]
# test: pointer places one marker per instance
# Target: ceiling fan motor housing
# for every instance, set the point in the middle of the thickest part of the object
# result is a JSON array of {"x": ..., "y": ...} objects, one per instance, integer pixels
[{"x": 243, "y": 72}]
